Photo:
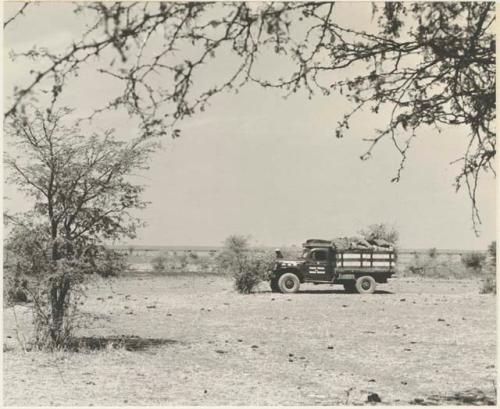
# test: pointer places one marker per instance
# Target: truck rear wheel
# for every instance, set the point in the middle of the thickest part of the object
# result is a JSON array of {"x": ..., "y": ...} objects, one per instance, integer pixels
[
  {"x": 289, "y": 283},
  {"x": 365, "y": 285}
]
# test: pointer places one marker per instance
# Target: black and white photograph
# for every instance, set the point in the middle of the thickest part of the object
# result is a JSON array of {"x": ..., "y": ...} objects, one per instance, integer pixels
[{"x": 249, "y": 203}]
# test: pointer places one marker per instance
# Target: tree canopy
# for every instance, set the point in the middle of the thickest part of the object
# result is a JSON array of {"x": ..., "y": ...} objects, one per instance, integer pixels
[
  {"x": 427, "y": 64},
  {"x": 78, "y": 182}
]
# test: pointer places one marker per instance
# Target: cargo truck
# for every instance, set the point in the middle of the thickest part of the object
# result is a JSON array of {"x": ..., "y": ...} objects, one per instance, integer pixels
[{"x": 358, "y": 269}]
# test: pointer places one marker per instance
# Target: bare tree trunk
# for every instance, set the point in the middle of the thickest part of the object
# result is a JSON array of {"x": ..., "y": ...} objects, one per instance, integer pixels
[{"x": 59, "y": 293}]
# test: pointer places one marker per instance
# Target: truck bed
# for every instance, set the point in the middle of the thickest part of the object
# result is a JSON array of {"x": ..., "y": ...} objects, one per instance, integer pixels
[{"x": 384, "y": 260}]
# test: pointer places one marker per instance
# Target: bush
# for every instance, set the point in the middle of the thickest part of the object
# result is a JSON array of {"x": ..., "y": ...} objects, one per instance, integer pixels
[
  {"x": 489, "y": 284},
  {"x": 474, "y": 260},
  {"x": 252, "y": 273},
  {"x": 172, "y": 262},
  {"x": 432, "y": 252},
  {"x": 159, "y": 263},
  {"x": 109, "y": 263},
  {"x": 433, "y": 266},
  {"x": 17, "y": 291},
  {"x": 181, "y": 261},
  {"x": 247, "y": 267},
  {"x": 492, "y": 251},
  {"x": 490, "y": 281}
]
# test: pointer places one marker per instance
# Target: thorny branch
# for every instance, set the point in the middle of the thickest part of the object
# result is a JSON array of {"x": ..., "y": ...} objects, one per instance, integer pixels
[
  {"x": 18, "y": 13},
  {"x": 428, "y": 64}
]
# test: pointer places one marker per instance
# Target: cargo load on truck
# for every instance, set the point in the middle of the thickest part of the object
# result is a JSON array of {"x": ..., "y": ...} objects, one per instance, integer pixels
[{"x": 355, "y": 243}]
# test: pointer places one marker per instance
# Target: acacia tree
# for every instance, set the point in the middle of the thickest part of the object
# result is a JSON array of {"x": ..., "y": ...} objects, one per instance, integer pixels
[
  {"x": 428, "y": 64},
  {"x": 82, "y": 197}
]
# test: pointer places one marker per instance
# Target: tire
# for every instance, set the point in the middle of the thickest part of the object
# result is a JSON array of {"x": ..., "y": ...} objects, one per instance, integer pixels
[
  {"x": 366, "y": 285},
  {"x": 289, "y": 283},
  {"x": 274, "y": 285},
  {"x": 350, "y": 288}
]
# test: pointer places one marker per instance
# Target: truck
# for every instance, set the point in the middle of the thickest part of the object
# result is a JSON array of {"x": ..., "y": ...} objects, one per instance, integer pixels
[{"x": 358, "y": 268}]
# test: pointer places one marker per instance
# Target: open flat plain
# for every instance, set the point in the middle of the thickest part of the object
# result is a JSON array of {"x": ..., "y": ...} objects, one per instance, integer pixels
[{"x": 416, "y": 341}]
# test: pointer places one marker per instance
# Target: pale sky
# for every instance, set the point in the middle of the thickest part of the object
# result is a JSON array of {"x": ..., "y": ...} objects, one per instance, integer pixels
[{"x": 255, "y": 163}]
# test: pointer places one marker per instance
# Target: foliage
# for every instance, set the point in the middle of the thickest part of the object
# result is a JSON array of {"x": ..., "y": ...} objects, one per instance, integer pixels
[
  {"x": 253, "y": 272},
  {"x": 434, "y": 266},
  {"x": 379, "y": 231},
  {"x": 432, "y": 252},
  {"x": 490, "y": 281},
  {"x": 108, "y": 263},
  {"x": 248, "y": 267},
  {"x": 163, "y": 263},
  {"x": 231, "y": 257},
  {"x": 167, "y": 262},
  {"x": 492, "y": 252},
  {"x": 159, "y": 263},
  {"x": 81, "y": 198},
  {"x": 429, "y": 64},
  {"x": 489, "y": 285},
  {"x": 17, "y": 291},
  {"x": 474, "y": 260},
  {"x": 27, "y": 249}
]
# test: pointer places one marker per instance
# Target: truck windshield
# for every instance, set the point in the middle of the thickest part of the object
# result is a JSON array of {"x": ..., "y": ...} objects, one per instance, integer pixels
[{"x": 305, "y": 254}]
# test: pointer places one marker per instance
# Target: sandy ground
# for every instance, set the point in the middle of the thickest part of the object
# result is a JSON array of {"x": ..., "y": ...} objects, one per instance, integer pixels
[{"x": 411, "y": 340}]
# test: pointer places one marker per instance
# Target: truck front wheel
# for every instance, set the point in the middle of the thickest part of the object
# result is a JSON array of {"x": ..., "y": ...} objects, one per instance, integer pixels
[
  {"x": 289, "y": 283},
  {"x": 366, "y": 285}
]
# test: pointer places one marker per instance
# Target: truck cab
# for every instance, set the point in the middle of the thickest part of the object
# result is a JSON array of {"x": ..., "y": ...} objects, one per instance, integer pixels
[{"x": 318, "y": 265}]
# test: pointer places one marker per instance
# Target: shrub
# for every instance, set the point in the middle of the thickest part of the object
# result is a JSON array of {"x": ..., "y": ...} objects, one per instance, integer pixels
[
  {"x": 247, "y": 267},
  {"x": 109, "y": 263},
  {"x": 193, "y": 257},
  {"x": 432, "y": 252},
  {"x": 490, "y": 282},
  {"x": 489, "y": 285},
  {"x": 181, "y": 261},
  {"x": 17, "y": 291},
  {"x": 231, "y": 256},
  {"x": 172, "y": 262},
  {"x": 492, "y": 253},
  {"x": 474, "y": 260},
  {"x": 159, "y": 263},
  {"x": 250, "y": 275},
  {"x": 433, "y": 266}
]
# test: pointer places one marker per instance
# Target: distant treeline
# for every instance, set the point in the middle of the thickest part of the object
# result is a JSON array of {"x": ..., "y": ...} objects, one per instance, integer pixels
[{"x": 172, "y": 259}]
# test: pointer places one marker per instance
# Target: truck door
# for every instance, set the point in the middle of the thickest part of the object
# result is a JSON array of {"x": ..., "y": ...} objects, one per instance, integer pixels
[{"x": 318, "y": 265}]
